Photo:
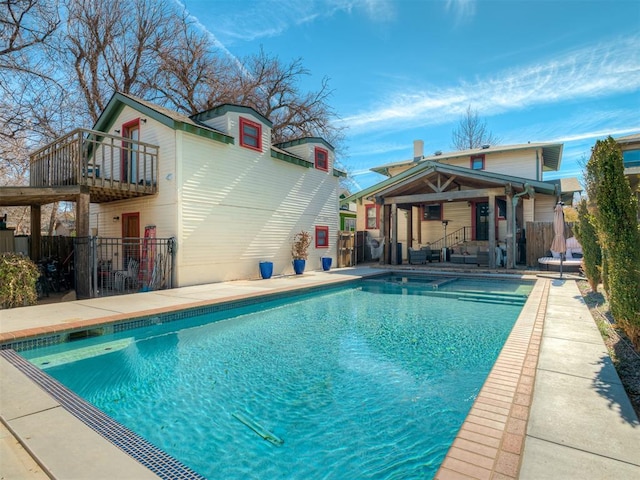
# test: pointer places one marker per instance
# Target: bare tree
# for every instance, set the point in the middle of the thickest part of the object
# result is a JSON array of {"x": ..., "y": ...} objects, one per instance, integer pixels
[
  {"x": 272, "y": 88},
  {"x": 191, "y": 76},
  {"x": 25, "y": 24},
  {"x": 113, "y": 44},
  {"x": 472, "y": 132}
]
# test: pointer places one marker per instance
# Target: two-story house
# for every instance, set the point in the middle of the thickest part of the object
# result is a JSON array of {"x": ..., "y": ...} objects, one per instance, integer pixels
[
  {"x": 444, "y": 199},
  {"x": 630, "y": 146},
  {"x": 213, "y": 182}
]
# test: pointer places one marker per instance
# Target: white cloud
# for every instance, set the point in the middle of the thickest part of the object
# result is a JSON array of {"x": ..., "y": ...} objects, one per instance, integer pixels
[
  {"x": 593, "y": 71},
  {"x": 272, "y": 18},
  {"x": 463, "y": 10}
]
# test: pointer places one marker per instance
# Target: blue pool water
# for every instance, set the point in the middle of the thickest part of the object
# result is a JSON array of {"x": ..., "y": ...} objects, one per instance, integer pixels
[{"x": 372, "y": 380}]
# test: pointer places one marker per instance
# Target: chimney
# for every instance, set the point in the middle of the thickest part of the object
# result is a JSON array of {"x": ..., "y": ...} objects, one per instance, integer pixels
[{"x": 418, "y": 150}]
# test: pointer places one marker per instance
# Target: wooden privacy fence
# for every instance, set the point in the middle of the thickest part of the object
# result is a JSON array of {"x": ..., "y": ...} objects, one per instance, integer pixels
[
  {"x": 539, "y": 236},
  {"x": 59, "y": 247}
]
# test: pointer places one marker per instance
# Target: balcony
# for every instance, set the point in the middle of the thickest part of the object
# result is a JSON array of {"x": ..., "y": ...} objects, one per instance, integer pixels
[{"x": 113, "y": 167}]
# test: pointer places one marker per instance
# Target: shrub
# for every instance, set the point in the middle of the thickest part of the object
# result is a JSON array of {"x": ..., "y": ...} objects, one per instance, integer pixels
[
  {"x": 18, "y": 276},
  {"x": 618, "y": 234},
  {"x": 588, "y": 238}
]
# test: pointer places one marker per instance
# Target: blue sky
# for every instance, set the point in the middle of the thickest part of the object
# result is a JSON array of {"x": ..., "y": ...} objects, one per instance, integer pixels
[{"x": 541, "y": 71}]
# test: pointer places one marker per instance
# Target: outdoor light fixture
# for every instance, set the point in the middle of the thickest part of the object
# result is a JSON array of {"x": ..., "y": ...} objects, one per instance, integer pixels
[
  {"x": 116, "y": 218},
  {"x": 143, "y": 120},
  {"x": 117, "y": 131}
]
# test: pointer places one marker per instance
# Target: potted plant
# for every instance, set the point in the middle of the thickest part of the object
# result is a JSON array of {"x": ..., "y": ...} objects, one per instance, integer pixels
[{"x": 299, "y": 250}]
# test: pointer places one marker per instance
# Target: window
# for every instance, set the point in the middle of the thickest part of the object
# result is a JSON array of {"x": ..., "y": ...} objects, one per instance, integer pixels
[
  {"x": 502, "y": 208},
  {"x": 631, "y": 158},
  {"x": 371, "y": 215},
  {"x": 322, "y": 237},
  {"x": 477, "y": 162},
  {"x": 321, "y": 159},
  {"x": 350, "y": 224},
  {"x": 432, "y": 212},
  {"x": 250, "y": 134}
]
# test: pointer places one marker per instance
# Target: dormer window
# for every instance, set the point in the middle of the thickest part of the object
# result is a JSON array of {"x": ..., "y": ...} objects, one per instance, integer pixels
[
  {"x": 250, "y": 134},
  {"x": 477, "y": 162},
  {"x": 321, "y": 159}
]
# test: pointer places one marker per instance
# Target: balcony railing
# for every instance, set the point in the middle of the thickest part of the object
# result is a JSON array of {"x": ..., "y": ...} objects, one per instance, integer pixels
[{"x": 99, "y": 160}]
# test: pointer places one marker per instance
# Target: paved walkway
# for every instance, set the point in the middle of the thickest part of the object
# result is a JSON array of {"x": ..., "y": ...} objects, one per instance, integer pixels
[{"x": 580, "y": 425}]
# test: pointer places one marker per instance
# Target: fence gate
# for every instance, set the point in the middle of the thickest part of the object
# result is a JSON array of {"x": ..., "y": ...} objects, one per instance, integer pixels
[
  {"x": 346, "y": 249},
  {"x": 116, "y": 266}
]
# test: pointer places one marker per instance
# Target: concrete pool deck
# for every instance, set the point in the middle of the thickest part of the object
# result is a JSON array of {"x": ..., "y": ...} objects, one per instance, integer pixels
[{"x": 552, "y": 407}]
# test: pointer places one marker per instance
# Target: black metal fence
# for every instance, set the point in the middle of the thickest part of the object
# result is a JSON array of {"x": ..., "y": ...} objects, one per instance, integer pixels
[{"x": 116, "y": 266}]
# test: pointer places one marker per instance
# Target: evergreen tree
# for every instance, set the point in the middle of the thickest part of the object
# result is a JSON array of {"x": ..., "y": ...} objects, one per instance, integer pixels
[
  {"x": 588, "y": 238},
  {"x": 618, "y": 234}
]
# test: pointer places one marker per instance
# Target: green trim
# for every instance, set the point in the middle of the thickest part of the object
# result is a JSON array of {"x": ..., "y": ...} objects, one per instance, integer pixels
[
  {"x": 291, "y": 159},
  {"x": 339, "y": 173},
  {"x": 222, "y": 110},
  {"x": 118, "y": 101},
  {"x": 303, "y": 141},
  {"x": 542, "y": 187},
  {"x": 203, "y": 132}
]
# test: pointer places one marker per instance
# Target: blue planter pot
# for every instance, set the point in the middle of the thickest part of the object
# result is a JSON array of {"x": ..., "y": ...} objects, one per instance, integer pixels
[
  {"x": 298, "y": 266},
  {"x": 326, "y": 263},
  {"x": 266, "y": 269}
]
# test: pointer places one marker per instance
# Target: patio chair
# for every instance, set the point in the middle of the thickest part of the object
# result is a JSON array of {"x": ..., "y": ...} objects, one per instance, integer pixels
[
  {"x": 417, "y": 257},
  {"x": 125, "y": 279}
]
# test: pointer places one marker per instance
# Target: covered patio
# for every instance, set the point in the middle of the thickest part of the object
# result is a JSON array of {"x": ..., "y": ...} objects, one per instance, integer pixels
[{"x": 468, "y": 203}]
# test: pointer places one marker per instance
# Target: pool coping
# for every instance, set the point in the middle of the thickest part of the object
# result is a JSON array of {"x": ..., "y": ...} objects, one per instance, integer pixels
[{"x": 491, "y": 440}]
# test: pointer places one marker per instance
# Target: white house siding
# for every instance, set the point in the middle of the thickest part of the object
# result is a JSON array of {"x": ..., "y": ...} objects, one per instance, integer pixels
[
  {"x": 239, "y": 207},
  {"x": 528, "y": 210},
  {"x": 518, "y": 163},
  {"x": 544, "y": 208},
  {"x": 307, "y": 151},
  {"x": 229, "y": 124}
]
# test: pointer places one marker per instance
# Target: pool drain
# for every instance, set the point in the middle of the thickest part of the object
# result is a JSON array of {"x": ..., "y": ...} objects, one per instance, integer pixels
[{"x": 259, "y": 429}]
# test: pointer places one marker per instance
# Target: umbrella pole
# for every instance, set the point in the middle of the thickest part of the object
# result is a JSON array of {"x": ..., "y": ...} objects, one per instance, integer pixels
[{"x": 561, "y": 259}]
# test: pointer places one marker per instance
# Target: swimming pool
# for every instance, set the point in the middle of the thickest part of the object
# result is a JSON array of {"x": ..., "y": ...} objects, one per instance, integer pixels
[{"x": 369, "y": 381}]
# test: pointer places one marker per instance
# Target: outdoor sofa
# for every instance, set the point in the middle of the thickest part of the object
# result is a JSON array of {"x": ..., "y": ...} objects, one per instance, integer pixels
[
  {"x": 469, "y": 254},
  {"x": 422, "y": 255}
]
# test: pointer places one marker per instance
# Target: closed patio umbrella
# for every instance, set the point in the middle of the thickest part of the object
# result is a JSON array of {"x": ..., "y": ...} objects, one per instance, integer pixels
[{"x": 559, "y": 243}]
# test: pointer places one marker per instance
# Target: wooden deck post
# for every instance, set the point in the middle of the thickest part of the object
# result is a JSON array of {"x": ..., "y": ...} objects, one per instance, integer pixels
[
  {"x": 82, "y": 215},
  {"x": 36, "y": 236},
  {"x": 492, "y": 231}
]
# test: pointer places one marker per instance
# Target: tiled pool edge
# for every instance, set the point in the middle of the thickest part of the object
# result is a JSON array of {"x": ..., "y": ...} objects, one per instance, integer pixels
[
  {"x": 490, "y": 443},
  {"x": 156, "y": 460},
  {"x": 53, "y": 334}
]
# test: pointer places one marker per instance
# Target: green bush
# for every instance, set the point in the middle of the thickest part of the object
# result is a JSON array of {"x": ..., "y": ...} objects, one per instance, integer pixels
[
  {"x": 617, "y": 228},
  {"x": 588, "y": 238},
  {"x": 18, "y": 276}
]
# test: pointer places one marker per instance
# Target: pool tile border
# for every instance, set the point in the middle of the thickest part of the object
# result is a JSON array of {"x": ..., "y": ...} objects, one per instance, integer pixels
[
  {"x": 47, "y": 336},
  {"x": 155, "y": 459},
  {"x": 490, "y": 443}
]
